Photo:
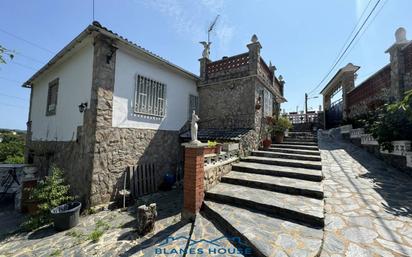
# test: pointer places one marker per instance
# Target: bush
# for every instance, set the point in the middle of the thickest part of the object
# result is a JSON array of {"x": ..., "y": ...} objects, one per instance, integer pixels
[
  {"x": 393, "y": 122},
  {"x": 48, "y": 194},
  {"x": 12, "y": 148},
  {"x": 281, "y": 125}
]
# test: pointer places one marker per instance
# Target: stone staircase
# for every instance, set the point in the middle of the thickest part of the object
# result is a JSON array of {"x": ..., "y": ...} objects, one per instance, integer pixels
[{"x": 273, "y": 199}]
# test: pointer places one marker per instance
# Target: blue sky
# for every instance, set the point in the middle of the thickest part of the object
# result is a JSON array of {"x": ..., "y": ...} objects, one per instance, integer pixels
[{"x": 302, "y": 38}]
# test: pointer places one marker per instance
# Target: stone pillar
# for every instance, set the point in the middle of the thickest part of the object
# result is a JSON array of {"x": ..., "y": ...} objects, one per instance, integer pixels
[
  {"x": 203, "y": 68},
  {"x": 193, "y": 182},
  {"x": 254, "y": 55},
  {"x": 397, "y": 64},
  {"x": 348, "y": 83}
]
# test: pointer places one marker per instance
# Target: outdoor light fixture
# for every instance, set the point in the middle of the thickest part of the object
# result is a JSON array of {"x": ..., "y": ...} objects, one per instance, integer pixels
[{"x": 82, "y": 107}]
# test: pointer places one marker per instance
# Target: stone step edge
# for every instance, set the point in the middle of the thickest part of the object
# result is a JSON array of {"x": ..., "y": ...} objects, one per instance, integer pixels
[
  {"x": 283, "y": 162},
  {"x": 227, "y": 228},
  {"x": 290, "y": 156},
  {"x": 299, "y": 147},
  {"x": 278, "y": 173},
  {"x": 270, "y": 210},
  {"x": 294, "y": 151},
  {"x": 279, "y": 188}
]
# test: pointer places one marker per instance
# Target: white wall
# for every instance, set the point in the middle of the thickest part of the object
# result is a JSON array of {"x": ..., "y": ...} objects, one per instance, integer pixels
[
  {"x": 75, "y": 81},
  {"x": 178, "y": 88}
]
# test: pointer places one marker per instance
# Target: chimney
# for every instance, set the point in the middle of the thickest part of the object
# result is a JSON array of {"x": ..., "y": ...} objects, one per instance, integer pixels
[{"x": 254, "y": 54}]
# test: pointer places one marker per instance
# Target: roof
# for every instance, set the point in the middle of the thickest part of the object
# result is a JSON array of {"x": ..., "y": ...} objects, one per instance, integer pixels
[
  {"x": 348, "y": 67},
  {"x": 97, "y": 27},
  {"x": 217, "y": 134}
]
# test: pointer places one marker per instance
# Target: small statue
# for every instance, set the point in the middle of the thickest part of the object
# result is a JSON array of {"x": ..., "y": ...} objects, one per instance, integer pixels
[
  {"x": 194, "y": 127},
  {"x": 206, "y": 50}
]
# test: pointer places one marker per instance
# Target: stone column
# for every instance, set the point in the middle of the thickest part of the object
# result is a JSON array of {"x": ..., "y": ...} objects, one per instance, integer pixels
[
  {"x": 397, "y": 64},
  {"x": 193, "y": 182},
  {"x": 254, "y": 55},
  {"x": 348, "y": 83},
  {"x": 203, "y": 68}
]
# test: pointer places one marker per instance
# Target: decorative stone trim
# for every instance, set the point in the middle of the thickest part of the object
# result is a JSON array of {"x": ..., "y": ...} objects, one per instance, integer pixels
[
  {"x": 400, "y": 147},
  {"x": 357, "y": 133},
  {"x": 346, "y": 129},
  {"x": 368, "y": 139}
]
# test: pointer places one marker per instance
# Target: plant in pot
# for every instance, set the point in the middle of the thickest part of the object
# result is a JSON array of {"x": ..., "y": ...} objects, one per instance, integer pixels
[
  {"x": 279, "y": 128},
  {"x": 53, "y": 203},
  {"x": 267, "y": 140}
]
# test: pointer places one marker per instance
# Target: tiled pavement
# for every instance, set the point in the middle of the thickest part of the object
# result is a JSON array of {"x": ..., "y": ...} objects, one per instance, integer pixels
[{"x": 368, "y": 204}]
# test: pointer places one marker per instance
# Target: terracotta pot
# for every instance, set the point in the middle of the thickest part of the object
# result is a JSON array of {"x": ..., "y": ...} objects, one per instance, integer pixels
[
  {"x": 279, "y": 138},
  {"x": 266, "y": 143},
  {"x": 218, "y": 148},
  {"x": 210, "y": 150}
]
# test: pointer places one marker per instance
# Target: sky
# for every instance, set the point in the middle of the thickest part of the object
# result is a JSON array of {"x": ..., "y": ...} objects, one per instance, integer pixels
[{"x": 301, "y": 38}]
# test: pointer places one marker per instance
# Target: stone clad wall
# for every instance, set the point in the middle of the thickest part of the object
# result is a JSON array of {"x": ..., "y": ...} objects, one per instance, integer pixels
[
  {"x": 214, "y": 173},
  {"x": 118, "y": 148},
  {"x": 407, "y": 78},
  {"x": 228, "y": 104}
]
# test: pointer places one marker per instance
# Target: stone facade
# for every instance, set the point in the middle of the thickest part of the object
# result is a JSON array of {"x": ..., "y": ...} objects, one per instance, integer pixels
[
  {"x": 214, "y": 173},
  {"x": 232, "y": 93}
]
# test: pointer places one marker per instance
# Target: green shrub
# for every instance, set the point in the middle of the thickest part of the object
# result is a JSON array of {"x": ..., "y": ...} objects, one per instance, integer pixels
[
  {"x": 393, "y": 122},
  {"x": 281, "y": 125},
  {"x": 48, "y": 194},
  {"x": 211, "y": 143},
  {"x": 12, "y": 148}
]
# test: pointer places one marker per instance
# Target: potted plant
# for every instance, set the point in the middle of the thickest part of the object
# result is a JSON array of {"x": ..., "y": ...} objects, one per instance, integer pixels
[
  {"x": 267, "y": 140},
  {"x": 279, "y": 128}
]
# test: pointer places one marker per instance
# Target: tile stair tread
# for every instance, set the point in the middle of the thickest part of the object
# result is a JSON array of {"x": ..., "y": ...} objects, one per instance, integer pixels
[
  {"x": 275, "y": 149},
  {"x": 267, "y": 234},
  {"x": 296, "y": 203},
  {"x": 251, "y": 158},
  {"x": 269, "y": 167},
  {"x": 287, "y": 155},
  {"x": 281, "y": 181}
]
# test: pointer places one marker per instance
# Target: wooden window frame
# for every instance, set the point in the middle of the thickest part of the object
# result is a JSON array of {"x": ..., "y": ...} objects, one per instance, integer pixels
[{"x": 53, "y": 83}]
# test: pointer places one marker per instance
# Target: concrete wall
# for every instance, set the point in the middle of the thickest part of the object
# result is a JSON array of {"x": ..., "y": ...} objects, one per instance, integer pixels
[
  {"x": 178, "y": 89},
  {"x": 75, "y": 80}
]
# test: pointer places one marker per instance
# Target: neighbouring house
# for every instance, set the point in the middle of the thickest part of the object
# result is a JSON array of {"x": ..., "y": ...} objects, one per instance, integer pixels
[
  {"x": 387, "y": 84},
  {"x": 104, "y": 103}
]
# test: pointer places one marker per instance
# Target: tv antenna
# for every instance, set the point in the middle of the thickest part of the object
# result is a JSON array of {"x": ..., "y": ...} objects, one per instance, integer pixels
[{"x": 211, "y": 27}]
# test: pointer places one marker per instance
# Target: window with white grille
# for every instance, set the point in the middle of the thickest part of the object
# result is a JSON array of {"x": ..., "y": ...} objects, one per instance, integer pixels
[
  {"x": 150, "y": 97},
  {"x": 193, "y": 105}
]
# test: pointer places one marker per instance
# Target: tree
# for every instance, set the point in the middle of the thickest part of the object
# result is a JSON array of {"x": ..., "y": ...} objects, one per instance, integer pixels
[{"x": 4, "y": 53}]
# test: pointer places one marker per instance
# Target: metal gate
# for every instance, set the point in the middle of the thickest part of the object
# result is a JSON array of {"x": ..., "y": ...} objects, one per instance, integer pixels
[{"x": 334, "y": 115}]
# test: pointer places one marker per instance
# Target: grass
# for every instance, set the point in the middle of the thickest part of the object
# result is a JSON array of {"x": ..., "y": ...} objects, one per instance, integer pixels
[
  {"x": 57, "y": 252},
  {"x": 75, "y": 233},
  {"x": 97, "y": 233}
]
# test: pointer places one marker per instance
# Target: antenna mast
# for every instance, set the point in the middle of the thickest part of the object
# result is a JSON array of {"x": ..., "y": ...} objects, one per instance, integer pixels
[{"x": 211, "y": 27}]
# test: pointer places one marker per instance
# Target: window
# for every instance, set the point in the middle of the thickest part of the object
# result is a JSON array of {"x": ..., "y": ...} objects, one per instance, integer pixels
[
  {"x": 150, "y": 97},
  {"x": 193, "y": 105},
  {"x": 268, "y": 103},
  {"x": 52, "y": 97}
]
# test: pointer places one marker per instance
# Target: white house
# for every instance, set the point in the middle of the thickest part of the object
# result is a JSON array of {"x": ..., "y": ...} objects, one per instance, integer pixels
[{"x": 102, "y": 104}]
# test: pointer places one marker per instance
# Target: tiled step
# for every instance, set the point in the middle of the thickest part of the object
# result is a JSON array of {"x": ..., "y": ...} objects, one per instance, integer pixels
[
  {"x": 300, "y": 147},
  {"x": 295, "y": 151},
  {"x": 289, "y": 207},
  {"x": 299, "y": 142},
  {"x": 266, "y": 235},
  {"x": 294, "y": 156},
  {"x": 276, "y": 184},
  {"x": 279, "y": 171},
  {"x": 285, "y": 162}
]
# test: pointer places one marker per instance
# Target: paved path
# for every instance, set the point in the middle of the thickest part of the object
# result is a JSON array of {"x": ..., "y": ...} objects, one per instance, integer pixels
[{"x": 368, "y": 204}]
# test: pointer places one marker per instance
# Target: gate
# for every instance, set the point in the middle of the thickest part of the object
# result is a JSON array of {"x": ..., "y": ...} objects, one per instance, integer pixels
[
  {"x": 142, "y": 179},
  {"x": 334, "y": 115}
]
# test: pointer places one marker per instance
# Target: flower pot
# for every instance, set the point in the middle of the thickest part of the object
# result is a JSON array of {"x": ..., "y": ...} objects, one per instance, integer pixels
[
  {"x": 210, "y": 150},
  {"x": 218, "y": 149},
  {"x": 266, "y": 143},
  {"x": 66, "y": 216},
  {"x": 279, "y": 138}
]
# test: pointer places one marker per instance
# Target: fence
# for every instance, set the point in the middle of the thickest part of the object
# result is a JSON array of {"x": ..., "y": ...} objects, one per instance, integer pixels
[{"x": 142, "y": 179}]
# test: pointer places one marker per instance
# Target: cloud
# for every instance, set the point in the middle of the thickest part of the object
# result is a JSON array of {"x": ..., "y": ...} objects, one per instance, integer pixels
[{"x": 190, "y": 19}]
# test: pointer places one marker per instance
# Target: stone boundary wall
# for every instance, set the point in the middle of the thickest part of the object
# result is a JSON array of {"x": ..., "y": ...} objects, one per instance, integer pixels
[
  {"x": 407, "y": 78},
  {"x": 214, "y": 173},
  {"x": 373, "y": 91}
]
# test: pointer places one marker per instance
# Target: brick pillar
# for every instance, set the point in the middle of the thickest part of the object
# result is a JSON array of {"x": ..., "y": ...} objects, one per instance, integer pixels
[{"x": 193, "y": 184}]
